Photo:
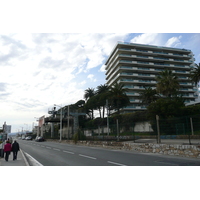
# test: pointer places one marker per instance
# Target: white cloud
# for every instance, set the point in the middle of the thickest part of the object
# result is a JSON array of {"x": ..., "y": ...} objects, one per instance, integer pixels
[
  {"x": 103, "y": 68},
  {"x": 173, "y": 42},
  {"x": 91, "y": 77},
  {"x": 147, "y": 38}
]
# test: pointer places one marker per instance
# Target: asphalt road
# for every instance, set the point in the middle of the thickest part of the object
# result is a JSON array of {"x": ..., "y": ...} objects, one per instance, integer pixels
[{"x": 59, "y": 154}]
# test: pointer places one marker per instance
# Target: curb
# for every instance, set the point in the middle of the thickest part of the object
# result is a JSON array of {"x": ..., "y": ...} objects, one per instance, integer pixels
[{"x": 26, "y": 162}]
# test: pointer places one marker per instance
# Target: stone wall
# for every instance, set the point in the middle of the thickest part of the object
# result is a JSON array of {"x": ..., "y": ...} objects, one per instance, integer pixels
[{"x": 192, "y": 151}]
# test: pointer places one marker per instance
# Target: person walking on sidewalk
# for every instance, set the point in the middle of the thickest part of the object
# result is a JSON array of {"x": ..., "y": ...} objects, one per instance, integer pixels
[
  {"x": 7, "y": 149},
  {"x": 15, "y": 149}
]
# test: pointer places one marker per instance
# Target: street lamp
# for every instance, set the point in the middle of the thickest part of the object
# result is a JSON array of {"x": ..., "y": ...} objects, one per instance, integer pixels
[{"x": 60, "y": 121}]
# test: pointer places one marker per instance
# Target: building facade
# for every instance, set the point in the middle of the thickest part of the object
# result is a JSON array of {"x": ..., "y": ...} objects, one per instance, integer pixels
[{"x": 137, "y": 65}]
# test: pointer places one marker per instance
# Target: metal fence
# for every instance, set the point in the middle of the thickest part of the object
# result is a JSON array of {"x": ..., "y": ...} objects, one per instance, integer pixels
[{"x": 171, "y": 128}]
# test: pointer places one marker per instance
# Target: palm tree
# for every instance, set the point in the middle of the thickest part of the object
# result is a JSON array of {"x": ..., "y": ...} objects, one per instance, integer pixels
[
  {"x": 195, "y": 74},
  {"x": 102, "y": 92},
  {"x": 89, "y": 93},
  {"x": 118, "y": 96},
  {"x": 167, "y": 83},
  {"x": 148, "y": 96}
]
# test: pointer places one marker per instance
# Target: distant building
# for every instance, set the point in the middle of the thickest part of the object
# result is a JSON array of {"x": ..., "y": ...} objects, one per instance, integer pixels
[
  {"x": 6, "y": 128},
  {"x": 137, "y": 65}
]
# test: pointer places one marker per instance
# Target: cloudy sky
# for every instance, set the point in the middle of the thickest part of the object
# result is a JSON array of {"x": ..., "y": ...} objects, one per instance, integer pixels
[{"x": 40, "y": 70}]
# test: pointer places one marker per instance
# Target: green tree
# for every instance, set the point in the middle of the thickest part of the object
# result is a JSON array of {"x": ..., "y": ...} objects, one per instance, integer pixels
[
  {"x": 118, "y": 97},
  {"x": 166, "y": 107},
  {"x": 148, "y": 96},
  {"x": 195, "y": 74},
  {"x": 103, "y": 93},
  {"x": 167, "y": 83},
  {"x": 94, "y": 104},
  {"x": 90, "y": 92}
]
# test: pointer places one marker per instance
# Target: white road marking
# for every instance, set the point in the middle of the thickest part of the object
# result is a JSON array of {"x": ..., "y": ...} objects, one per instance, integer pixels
[
  {"x": 42, "y": 146},
  {"x": 86, "y": 156},
  {"x": 48, "y": 147},
  {"x": 56, "y": 149},
  {"x": 33, "y": 160},
  {"x": 116, "y": 163},
  {"x": 69, "y": 152}
]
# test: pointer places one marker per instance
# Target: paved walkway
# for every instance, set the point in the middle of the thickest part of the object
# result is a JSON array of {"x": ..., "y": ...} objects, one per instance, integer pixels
[{"x": 21, "y": 160}]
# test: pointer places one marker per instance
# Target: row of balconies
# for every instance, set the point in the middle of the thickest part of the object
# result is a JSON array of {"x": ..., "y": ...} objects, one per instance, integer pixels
[
  {"x": 157, "y": 58},
  {"x": 157, "y": 48},
  {"x": 147, "y": 66},
  {"x": 133, "y": 87},
  {"x": 146, "y": 75},
  {"x": 163, "y": 51},
  {"x": 142, "y": 69},
  {"x": 136, "y": 94},
  {"x": 148, "y": 52},
  {"x": 153, "y": 63},
  {"x": 148, "y": 81},
  {"x": 139, "y": 75}
]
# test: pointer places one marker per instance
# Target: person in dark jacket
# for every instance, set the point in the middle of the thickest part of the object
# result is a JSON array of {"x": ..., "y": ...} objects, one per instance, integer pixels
[
  {"x": 15, "y": 149},
  {"x": 7, "y": 149}
]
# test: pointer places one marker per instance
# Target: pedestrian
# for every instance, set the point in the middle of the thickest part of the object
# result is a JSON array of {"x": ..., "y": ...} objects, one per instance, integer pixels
[
  {"x": 15, "y": 149},
  {"x": 7, "y": 149}
]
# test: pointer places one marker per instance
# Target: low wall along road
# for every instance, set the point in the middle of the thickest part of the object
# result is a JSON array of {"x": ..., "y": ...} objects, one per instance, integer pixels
[{"x": 192, "y": 151}]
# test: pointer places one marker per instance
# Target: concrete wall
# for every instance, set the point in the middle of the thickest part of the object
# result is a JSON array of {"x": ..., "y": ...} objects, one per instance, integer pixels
[{"x": 143, "y": 127}]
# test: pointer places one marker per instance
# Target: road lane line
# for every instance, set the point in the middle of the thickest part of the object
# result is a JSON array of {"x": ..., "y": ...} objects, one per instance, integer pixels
[
  {"x": 48, "y": 147},
  {"x": 116, "y": 163},
  {"x": 87, "y": 156},
  {"x": 69, "y": 152},
  {"x": 56, "y": 149}
]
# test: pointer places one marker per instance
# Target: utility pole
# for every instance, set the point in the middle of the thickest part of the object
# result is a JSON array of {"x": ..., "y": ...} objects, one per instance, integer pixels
[
  {"x": 158, "y": 128},
  {"x": 68, "y": 121},
  {"x": 60, "y": 121},
  {"x": 117, "y": 130},
  {"x": 107, "y": 116}
]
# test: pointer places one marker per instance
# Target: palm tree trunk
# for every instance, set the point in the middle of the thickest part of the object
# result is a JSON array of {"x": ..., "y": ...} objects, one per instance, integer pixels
[
  {"x": 100, "y": 112},
  {"x": 103, "y": 111}
]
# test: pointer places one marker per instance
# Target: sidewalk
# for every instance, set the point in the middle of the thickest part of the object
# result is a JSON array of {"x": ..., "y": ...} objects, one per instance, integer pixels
[{"x": 21, "y": 160}]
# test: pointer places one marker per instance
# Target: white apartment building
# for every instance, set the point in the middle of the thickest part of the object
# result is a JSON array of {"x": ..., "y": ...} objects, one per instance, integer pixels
[{"x": 137, "y": 65}]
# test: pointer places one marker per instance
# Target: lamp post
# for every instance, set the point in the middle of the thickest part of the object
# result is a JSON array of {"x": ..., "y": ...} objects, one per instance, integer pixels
[{"x": 60, "y": 121}]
